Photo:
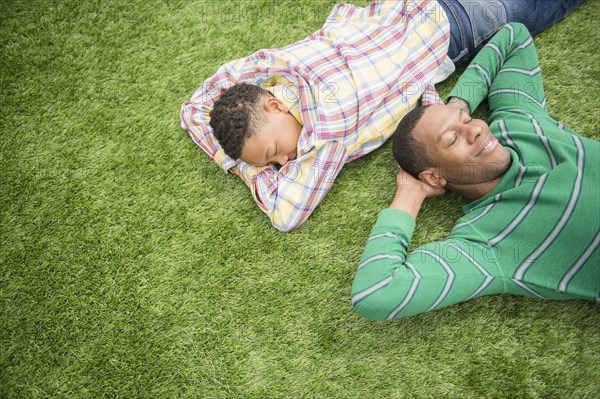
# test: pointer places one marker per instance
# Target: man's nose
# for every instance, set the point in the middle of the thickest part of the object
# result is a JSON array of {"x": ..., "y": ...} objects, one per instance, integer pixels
[{"x": 473, "y": 133}]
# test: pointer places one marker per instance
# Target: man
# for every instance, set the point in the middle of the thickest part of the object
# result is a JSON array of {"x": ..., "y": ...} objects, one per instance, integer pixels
[
  {"x": 532, "y": 223},
  {"x": 286, "y": 120}
]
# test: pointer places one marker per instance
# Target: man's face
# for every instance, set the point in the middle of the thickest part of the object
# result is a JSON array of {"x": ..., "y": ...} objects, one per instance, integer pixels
[
  {"x": 276, "y": 141},
  {"x": 463, "y": 149}
]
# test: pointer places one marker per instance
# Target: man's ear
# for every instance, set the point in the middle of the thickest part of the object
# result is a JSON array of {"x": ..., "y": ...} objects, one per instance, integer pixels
[
  {"x": 430, "y": 177},
  {"x": 273, "y": 104}
]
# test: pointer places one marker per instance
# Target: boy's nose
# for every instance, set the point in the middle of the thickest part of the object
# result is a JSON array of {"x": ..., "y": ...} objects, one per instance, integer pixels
[{"x": 282, "y": 159}]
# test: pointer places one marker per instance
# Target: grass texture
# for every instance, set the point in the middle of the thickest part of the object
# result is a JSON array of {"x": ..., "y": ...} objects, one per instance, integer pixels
[{"x": 131, "y": 266}]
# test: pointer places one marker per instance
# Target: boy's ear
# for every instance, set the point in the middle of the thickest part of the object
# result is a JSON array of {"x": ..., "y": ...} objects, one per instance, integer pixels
[
  {"x": 430, "y": 177},
  {"x": 273, "y": 104}
]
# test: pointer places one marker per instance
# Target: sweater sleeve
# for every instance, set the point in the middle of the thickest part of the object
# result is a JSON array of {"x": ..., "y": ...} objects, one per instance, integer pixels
[
  {"x": 506, "y": 71},
  {"x": 391, "y": 283}
]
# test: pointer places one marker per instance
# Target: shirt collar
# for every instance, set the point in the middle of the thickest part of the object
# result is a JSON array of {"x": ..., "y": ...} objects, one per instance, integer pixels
[{"x": 286, "y": 94}]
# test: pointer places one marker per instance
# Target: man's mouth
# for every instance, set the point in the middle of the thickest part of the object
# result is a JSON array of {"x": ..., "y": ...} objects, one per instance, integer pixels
[{"x": 488, "y": 146}]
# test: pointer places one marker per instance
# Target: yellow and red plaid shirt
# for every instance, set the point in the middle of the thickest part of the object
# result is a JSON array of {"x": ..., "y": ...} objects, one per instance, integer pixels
[{"x": 348, "y": 84}]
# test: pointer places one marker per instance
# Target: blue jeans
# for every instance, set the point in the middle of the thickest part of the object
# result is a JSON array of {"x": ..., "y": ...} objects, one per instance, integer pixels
[{"x": 473, "y": 22}]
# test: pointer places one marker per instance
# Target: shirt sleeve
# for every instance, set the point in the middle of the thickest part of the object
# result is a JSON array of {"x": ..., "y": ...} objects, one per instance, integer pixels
[
  {"x": 391, "y": 283},
  {"x": 506, "y": 71},
  {"x": 430, "y": 96},
  {"x": 289, "y": 195},
  {"x": 195, "y": 112}
]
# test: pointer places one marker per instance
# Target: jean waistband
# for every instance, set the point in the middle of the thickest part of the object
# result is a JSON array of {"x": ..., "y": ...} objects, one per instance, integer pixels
[{"x": 460, "y": 28}]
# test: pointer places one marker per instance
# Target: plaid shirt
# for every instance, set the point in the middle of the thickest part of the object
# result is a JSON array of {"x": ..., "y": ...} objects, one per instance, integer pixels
[{"x": 348, "y": 84}]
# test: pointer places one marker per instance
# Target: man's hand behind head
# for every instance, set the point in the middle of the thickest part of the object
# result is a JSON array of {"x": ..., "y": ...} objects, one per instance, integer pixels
[
  {"x": 411, "y": 193},
  {"x": 409, "y": 185},
  {"x": 459, "y": 103}
]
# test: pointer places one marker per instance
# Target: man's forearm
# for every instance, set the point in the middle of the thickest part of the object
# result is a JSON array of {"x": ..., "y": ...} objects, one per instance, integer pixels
[{"x": 409, "y": 201}]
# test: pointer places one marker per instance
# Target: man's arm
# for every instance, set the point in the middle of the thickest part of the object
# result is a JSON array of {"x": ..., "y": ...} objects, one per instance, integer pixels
[
  {"x": 506, "y": 71},
  {"x": 391, "y": 283},
  {"x": 459, "y": 103}
]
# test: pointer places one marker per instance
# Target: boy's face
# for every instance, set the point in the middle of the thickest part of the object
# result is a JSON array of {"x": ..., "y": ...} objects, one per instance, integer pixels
[
  {"x": 463, "y": 149},
  {"x": 276, "y": 141}
]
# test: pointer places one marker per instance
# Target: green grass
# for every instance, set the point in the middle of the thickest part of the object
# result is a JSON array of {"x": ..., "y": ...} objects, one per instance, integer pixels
[{"x": 132, "y": 267}]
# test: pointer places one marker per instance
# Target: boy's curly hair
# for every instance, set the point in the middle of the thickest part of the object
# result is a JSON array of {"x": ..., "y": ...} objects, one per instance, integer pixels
[{"x": 238, "y": 114}]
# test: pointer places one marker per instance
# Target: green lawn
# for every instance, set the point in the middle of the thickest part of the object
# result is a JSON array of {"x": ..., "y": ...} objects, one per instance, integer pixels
[{"x": 131, "y": 266}]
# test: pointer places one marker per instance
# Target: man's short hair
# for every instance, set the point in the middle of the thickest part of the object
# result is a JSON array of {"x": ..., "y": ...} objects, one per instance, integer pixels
[
  {"x": 410, "y": 154},
  {"x": 237, "y": 115}
]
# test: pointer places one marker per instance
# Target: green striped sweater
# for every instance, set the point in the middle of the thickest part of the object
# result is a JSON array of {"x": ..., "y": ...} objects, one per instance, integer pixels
[{"x": 535, "y": 234}]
